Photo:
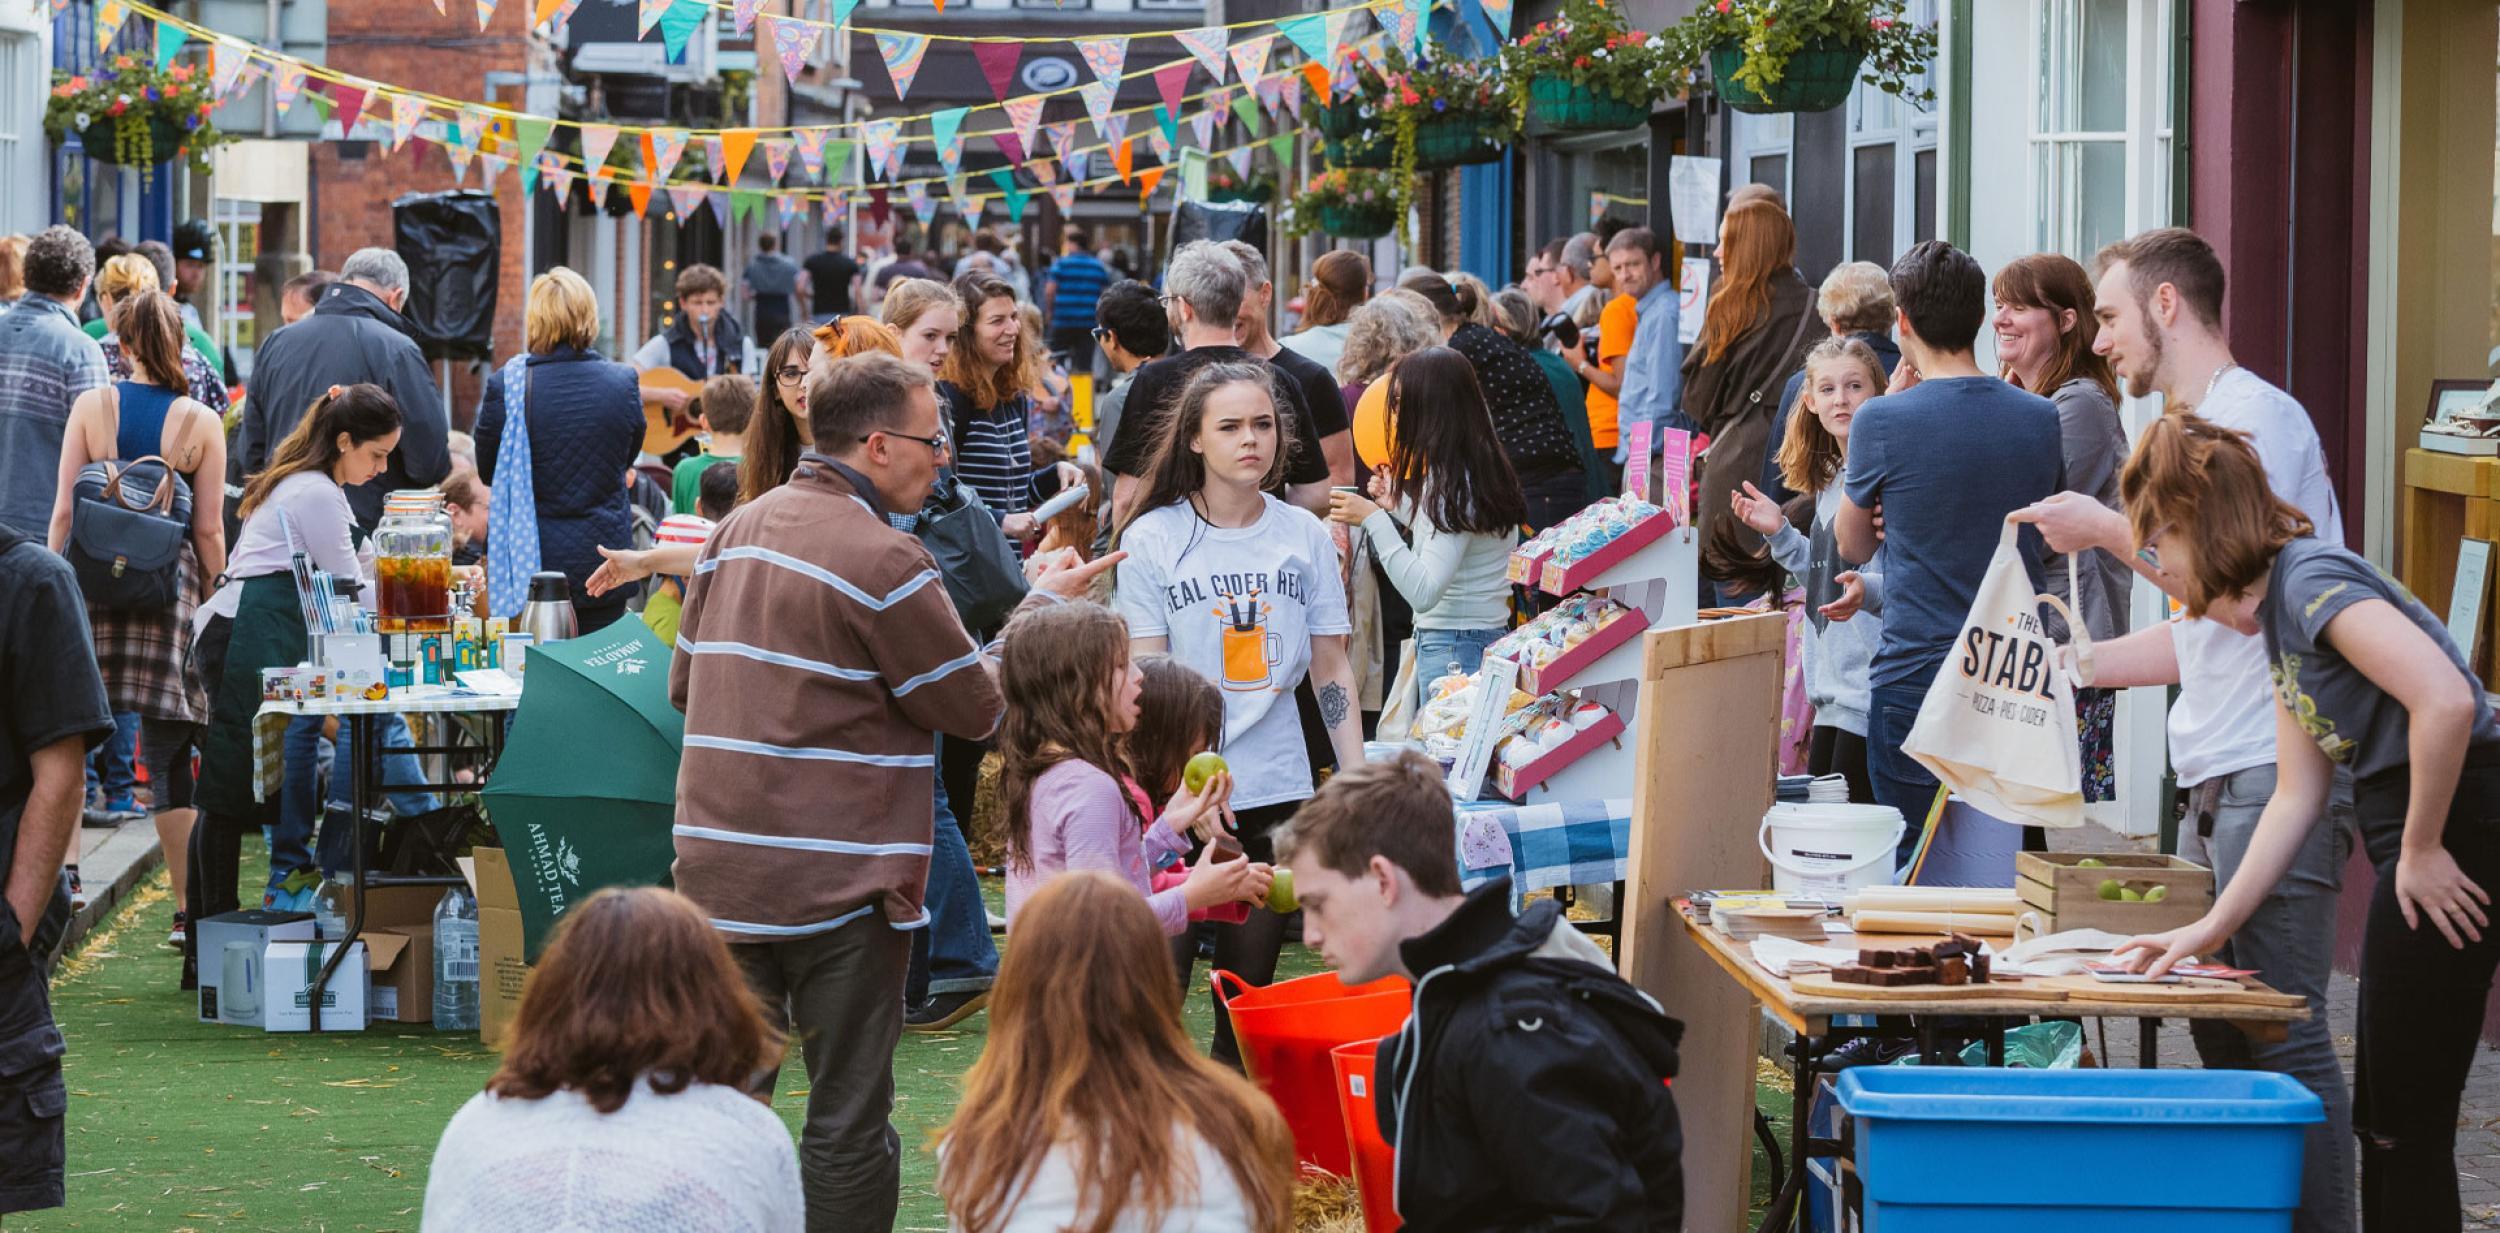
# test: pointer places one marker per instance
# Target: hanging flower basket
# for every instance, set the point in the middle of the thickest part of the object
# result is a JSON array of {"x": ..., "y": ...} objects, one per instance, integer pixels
[
  {"x": 1560, "y": 106},
  {"x": 1380, "y": 149},
  {"x": 1454, "y": 142},
  {"x": 105, "y": 147},
  {"x": 131, "y": 113},
  {"x": 1819, "y": 77},
  {"x": 1357, "y": 222}
]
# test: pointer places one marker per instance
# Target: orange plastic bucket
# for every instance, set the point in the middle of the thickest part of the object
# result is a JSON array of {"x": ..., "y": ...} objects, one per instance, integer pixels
[
  {"x": 1375, "y": 1162},
  {"x": 1286, "y": 1030}
]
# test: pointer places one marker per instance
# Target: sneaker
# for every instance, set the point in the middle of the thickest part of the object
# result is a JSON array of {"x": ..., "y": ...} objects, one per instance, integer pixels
[
  {"x": 998, "y": 924},
  {"x": 180, "y": 933},
  {"x": 112, "y": 813},
  {"x": 77, "y": 888},
  {"x": 945, "y": 1010}
]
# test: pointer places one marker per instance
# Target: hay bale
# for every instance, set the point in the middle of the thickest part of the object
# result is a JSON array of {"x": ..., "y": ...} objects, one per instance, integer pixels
[
  {"x": 985, "y": 824},
  {"x": 1325, "y": 1203}
]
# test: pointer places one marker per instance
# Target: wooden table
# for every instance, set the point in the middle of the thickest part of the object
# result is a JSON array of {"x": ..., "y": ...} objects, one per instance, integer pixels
[
  {"x": 2447, "y": 498},
  {"x": 1810, "y": 1015}
]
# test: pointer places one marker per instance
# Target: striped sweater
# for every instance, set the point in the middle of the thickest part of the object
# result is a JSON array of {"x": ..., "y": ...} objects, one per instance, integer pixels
[{"x": 816, "y": 657}]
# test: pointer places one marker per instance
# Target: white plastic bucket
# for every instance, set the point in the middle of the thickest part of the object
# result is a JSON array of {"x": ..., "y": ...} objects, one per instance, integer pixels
[{"x": 1829, "y": 850}]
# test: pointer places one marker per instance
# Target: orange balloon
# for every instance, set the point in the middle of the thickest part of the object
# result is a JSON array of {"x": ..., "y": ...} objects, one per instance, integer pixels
[{"x": 1372, "y": 434}]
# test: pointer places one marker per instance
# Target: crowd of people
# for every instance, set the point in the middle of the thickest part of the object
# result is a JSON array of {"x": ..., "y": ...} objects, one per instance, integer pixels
[{"x": 889, "y": 553}]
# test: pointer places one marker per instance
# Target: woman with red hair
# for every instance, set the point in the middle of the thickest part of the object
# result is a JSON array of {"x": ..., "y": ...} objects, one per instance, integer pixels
[{"x": 1757, "y": 330}]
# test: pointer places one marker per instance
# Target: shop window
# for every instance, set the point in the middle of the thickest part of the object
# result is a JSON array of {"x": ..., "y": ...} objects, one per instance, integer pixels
[
  {"x": 1762, "y": 148},
  {"x": 2084, "y": 180},
  {"x": 19, "y": 116},
  {"x": 1892, "y": 142}
]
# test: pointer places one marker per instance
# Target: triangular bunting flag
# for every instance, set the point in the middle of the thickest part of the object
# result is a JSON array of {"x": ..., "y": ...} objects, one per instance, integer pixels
[
  {"x": 1400, "y": 21},
  {"x": 790, "y": 41},
  {"x": 735, "y": 145},
  {"x": 923, "y": 206},
  {"x": 640, "y": 194},
  {"x": 1011, "y": 146},
  {"x": 882, "y": 137},
  {"x": 1044, "y": 171},
  {"x": 1146, "y": 182},
  {"x": 1124, "y": 157},
  {"x": 169, "y": 41},
  {"x": 1281, "y": 145},
  {"x": 1270, "y": 92},
  {"x": 288, "y": 83},
  {"x": 970, "y": 207},
  {"x": 1247, "y": 108},
  {"x": 1025, "y": 113},
  {"x": 786, "y": 209},
  {"x": 1076, "y": 161},
  {"x": 599, "y": 179},
  {"x": 1415, "y": 23},
  {"x": 1206, "y": 43},
  {"x": 777, "y": 157},
  {"x": 349, "y": 104},
  {"x": 559, "y": 179},
  {"x": 1317, "y": 75},
  {"x": 998, "y": 65},
  {"x": 1105, "y": 56},
  {"x": 1064, "y": 195},
  {"x": 1498, "y": 13},
  {"x": 903, "y": 54},
  {"x": 531, "y": 134},
  {"x": 529, "y": 176},
  {"x": 1240, "y": 156},
  {"x": 880, "y": 206},
  {"x": 460, "y": 155},
  {"x": 1168, "y": 120},
  {"x": 1250, "y": 56},
  {"x": 838, "y": 157},
  {"x": 742, "y": 15},
  {"x": 1097, "y": 98},
  {"x": 597, "y": 140},
  {"x": 1116, "y": 128},
  {"x": 743, "y": 203},
  {"x": 1293, "y": 98},
  {"x": 811, "y": 143},
  {"x": 1161, "y": 144},
  {"x": 686, "y": 199},
  {"x": 677, "y": 27},
  {"x": 719, "y": 201},
  {"x": 225, "y": 66},
  {"x": 951, "y": 154},
  {"x": 1202, "y": 127},
  {"x": 545, "y": 12},
  {"x": 842, "y": 11},
  {"x": 485, "y": 13},
  {"x": 649, "y": 16},
  {"x": 661, "y": 148},
  {"x": 713, "y": 157},
  {"x": 108, "y": 23},
  {"x": 945, "y": 125},
  {"x": 1170, "y": 80},
  {"x": 1308, "y": 32},
  {"x": 490, "y": 166},
  {"x": 1062, "y": 136},
  {"x": 1338, "y": 22}
]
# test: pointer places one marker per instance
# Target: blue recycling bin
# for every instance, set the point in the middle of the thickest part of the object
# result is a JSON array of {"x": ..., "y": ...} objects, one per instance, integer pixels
[{"x": 1986, "y": 1150}]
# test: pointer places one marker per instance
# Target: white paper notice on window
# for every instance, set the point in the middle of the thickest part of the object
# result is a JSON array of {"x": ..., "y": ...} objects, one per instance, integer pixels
[
  {"x": 1693, "y": 299},
  {"x": 1693, "y": 198}
]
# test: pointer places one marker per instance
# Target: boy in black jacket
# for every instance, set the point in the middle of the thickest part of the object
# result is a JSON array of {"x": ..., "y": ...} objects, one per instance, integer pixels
[{"x": 1528, "y": 1088}]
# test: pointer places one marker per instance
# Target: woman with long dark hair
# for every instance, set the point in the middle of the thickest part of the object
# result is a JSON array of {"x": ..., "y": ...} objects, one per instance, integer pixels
[
  {"x": 1755, "y": 333},
  {"x": 621, "y": 1101},
  {"x": 2366, "y": 679},
  {"x": 1525, "y": 414},
  {"x": 1449, "y": 488},
  {"x": 1244, "y": 588},
  {"x": 1089, "y": 1110}
]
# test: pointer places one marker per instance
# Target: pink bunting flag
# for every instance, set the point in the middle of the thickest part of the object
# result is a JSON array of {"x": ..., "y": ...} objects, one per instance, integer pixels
[
  {"x": 811, "y": 143},
  {"x": 791, "y": 42},
  {"x": 742, "y": 14},
  {"x": 1011, "y": 146},
  {"x": 597, "y": 140},
  {"x": 1271, "y": 92},
  {"x": 1025, "y": 114},
  {"x": 686, "y": 198},
  {"x": 1170, "y": 81},
  {"x": 777, "y": 156},
  {"x": 349, "y": 102},
  {"x": 1250, "y": 56},
  {"x": 1105, "y": 56},
  {"x": 667, "y": 146},
  {"x": 1206, "y": 43},
  {"x": 998, "y": 65},
  {"x": 1098, "y": 98}
]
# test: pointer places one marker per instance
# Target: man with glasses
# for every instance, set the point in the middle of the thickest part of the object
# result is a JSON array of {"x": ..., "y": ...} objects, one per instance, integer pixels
[{"x": 1133, "y": 328}]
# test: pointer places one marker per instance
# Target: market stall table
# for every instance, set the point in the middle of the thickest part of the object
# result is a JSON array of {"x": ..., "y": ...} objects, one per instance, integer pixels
[
  {"x": 2265, "y": 1014},
  {"x": 364, "y": 774}
]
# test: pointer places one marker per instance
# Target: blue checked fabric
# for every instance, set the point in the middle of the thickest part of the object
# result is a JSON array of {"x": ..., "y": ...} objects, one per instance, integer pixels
[
  {"x": 1564, "y": 843},
  {"x": 512, "y": 509}
]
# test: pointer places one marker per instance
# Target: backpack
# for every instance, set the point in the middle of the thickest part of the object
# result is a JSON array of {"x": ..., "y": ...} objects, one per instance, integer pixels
[{"x": 128, "y": 522}]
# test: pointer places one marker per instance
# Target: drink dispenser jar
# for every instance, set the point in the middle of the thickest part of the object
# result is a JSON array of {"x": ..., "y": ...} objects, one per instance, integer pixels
[{"x": 412, "y": 580}]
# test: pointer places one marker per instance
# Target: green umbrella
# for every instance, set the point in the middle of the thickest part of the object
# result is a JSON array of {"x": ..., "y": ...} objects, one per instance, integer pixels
[{"x": 586, "y": 791}]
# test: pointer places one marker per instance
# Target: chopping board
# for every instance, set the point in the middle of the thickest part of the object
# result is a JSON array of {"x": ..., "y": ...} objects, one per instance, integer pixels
[
  {"x": 1821, "y": 985},
  {"x": 2081, "y": 988}
]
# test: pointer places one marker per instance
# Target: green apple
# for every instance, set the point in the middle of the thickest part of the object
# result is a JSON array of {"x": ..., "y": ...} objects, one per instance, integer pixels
[
  {"x": 2156, "y": 894},
  {"x": 2091, "y": 862},
  {"x": 2129, "y": 894},
  {"x": 1202, "y": 768},
  {"x": 2110, "y": 889},
  {"x": 1280, "y": 896}
]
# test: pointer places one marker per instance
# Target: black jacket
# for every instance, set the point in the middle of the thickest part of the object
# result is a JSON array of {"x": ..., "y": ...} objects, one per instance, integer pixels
[
  {"x": 1528, "y": 1089},
  {"x": 350, "y": 337},
  {"x": 585, "y": 426}
]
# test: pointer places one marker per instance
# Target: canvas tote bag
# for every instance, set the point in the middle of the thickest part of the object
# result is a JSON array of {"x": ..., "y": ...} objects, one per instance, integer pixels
[{"x": 1998, "y": 725}]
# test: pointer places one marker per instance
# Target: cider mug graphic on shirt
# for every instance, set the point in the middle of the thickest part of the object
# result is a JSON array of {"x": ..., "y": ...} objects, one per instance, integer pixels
[{"x": 1250, "y": 651}]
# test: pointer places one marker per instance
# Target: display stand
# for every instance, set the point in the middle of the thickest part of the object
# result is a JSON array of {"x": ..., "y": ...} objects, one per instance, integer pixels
[
  {"x": 1659, "y": 581},
  {"x": 1703, "y": 766}
]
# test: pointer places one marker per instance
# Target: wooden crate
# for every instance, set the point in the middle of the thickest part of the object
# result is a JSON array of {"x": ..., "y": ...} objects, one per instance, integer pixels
[{"x": 2068, "y": 896}]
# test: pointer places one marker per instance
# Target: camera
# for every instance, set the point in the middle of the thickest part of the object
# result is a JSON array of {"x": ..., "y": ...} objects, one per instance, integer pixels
[{"x": 1562, "y": 329}]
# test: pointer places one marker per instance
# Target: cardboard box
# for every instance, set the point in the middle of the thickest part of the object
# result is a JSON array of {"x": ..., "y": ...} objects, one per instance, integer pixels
[
  {"x": 502, "y": 973},
  {"x": 291, "y": 968},
  {"x": 251, "y": 931},
  {"x": 402, "y": 968}
]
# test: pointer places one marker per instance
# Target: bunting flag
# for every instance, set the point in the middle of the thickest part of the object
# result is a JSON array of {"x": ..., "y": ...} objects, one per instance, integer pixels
[
  {"x": 108, "y": 23},
  {"x": 169, "y": 41},
  {"x": 1005, "y": 179},
  {"x": 1118, "y": 128},
  {"x": 661, "y": 149},
  {"x": 1124, "y": 157},
  {"x": 1160, "y": 144},
  {"x": 1146, "y": 182},
  {"x": 1413, "y": 15},
  {"x": 1271, "y": 93},
  {"x": 790, "y": 41},
  {"x": 1250, "y": 56},
  {"x": 1310, "y": 33},
  {"x": 838, "y": 157},
  {"x": 923, "y": 206},
  {"x": 970, "y": 207},
  {"x": 1202, "y": 127},
  {"x": 1064, "y": 196},
  {"x": 1105, "y": 56},
  {"x": 842, "y": 11},
  {"x": 742, "y": 15},
  {"x": 1009, "y": 145},
  {"x": 1170, "y": 81},
  {"x": 1240, "y": 156},
  {"x": 597, "y": 140},
  {"x": 1318, "y": 77},
  {"x": 743, "y": 203},
  {"x": 713, "y": 157},
  {"x": 882, "y": 137},
  {"x": 1025, "y": 114},
  {"x": 1281, "y": 145},
  {"x": 777, "y": 157},
  {"x": 1376, "y": 50},
  {"x": 1098, "y": 98},
  {"x": 545, "y": 11},
  {"x": 811, "y": 142},
  {"x": 456, "y": 146},
  {"x": 998, "y": 65},
  {"x": 1062, "y": 136},
  {"x": 1247, "y": 108},
  {"x": 1597, "y": 208},
  {"x": 735, "y": 146},
  {"x": 529, "y": 175},
  {"x": 558, "y": 176},
  {"x": 288, "y": 84},
  {"x": 1044, "y": 172},
  {"x": 946, "y": 127},
  {"x": 880, "y": 206},
  {"x": 903, "y": 54},
  {"x": 406, "y": 111},
  {"x": 719, "y": 202},
  {"x": 649, "y": 16},
  {"x": 1339, "y": 22},
  {"x": 951, "y": 153},
  {"x": 485, "y": 13},
  {"x": 225, "y": 66},
  {"x": 347, "y": 103},
  {"x": 530, "y": 135},
  {"x": 639, "y": 193},
  {"x": 489, "y": 167},
  {"x": 1206, "y": 43},
  {"x": 686, "y": 198},
  {"x": 1403, "y": 24},
  {"x": 1169, "y": 125},
  {"x": 1498, "y": 13},
  {"x": 600, "y": 179},
  {"x": 786, "y": 208},
  {"x": 1076, "y": 161},
  {"x": 677, "y": 27}
]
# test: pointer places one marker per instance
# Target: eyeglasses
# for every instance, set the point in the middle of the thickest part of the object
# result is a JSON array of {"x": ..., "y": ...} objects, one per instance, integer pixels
[
  {"x": 2150, "y": 555},
  {"x": 790, "y": 374},
  {"x": 1102, "y": 333},
  {"x": 937, "y": 444}
]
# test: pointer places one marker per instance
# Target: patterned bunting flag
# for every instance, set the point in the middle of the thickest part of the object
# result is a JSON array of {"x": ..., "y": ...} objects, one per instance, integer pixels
[
  {"x": 1271, "y": 93},
  {"x": 1250, "y": 56},
  {"x": 951, "y": 153},
  {"x": 1202, "y": 127},
  {"x": 1308, "y": 32},
  {"x": 945, "y": 127},
  {"x": 1597, "y": 208},
  {"x": 777, "y": 157},
  {"x": 1338, "y": 23},
  {"x": 791, "y": 41},
  {"x": 903, "y": 54},
  {"x": 1116, "y": 128},
  {"x": 1414, "y": 23},
  {"x": 998, "y": 65},
  {"x": 1097, "y": 98},
  {"x": 225, "y": 66},
  {"x": 108, "y": 23},
  {"x": 1403, "y": 24},
  {"x": 559, "y": 179},
  {"x": 406, "y": 110},
  {"x": 1160, "y": 144},
  {"x": 677, "y": 27},
  {"x": 1064, "y": 195},
  {"x": 882, "y": 137},
  {"x": 1025, "y": 113},
  {"x": 1240, "y": 156},
  {"x": 1498, "y": 12},
  {"x": 489, "y": 167},
  {"x": 661, "y": 149},
  {"x": 1105, "y": 56},
  {"x": 923, "y": 206},
  {"x": 169, "y": 41},
  {"x": 1044, "y": 171},
  {"x": 459, "y": 153},
  {"x": 1375, "y": 49},
  {"x": 742, "y": 14},
  {"x": 714, "y": 159},
  {"x": 786, "y": 209},
  {"x": 597, "y": 140},
  {"x": 288, "y": 83},
  {"x": 811, "y": 142},
  {"x": 719, "y": 201},
  {"x": 649, "y": 16},
  {"x": 485, "y": 13},
  {"x": 1062, "y": 136},
  {"x": 970, "y": 207},
  {"x": 686, "y": 199},
  {"x": 1170, "y": 81},
  {"x": 735, "y": 146},
  {"x": 1075, "y": 161},
  {"x": 1206, "y": 43}
]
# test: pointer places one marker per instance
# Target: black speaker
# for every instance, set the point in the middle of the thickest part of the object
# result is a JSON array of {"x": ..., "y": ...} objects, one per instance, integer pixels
[
  {"x": 1219, "y": 221},
  {"x": 453, "y": 244}
]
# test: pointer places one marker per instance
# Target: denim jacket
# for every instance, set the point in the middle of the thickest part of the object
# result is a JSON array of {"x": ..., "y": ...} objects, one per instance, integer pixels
[{"x": 46, "y": 362}]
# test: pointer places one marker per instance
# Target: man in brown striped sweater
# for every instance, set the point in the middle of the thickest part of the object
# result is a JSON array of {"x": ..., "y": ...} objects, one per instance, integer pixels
[{"x": 817, "y": 657}]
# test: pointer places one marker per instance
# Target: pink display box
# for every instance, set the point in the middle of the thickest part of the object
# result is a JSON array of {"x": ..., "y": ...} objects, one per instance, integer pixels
[
  {"x": 1515, "y": 784},
  {"x": 1557, "y": 579},
  {"x": 1626, "y": 625}
]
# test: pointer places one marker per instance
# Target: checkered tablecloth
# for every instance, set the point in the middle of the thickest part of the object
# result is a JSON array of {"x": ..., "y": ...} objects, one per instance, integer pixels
[
  {"x": 1564, "y": 843},
  {"x": 422, "y": 712}
]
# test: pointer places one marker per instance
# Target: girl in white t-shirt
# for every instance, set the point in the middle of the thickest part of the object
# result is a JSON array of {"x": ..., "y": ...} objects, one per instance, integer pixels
[{"x": 1244, "y": 588}]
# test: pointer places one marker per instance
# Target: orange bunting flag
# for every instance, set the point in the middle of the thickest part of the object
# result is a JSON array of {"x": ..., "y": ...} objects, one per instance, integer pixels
[
  {"x": 1146, "y": 182},
  {"x": 1124, "y": 157},
  {"x": 1317, "y": 74},
  {"x": 736, "y": 145},
  {"x": 641, "y": 192}
]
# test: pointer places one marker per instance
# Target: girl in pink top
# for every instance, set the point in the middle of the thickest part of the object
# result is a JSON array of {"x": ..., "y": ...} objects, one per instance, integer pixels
[{"x": 1072, "y": 695}]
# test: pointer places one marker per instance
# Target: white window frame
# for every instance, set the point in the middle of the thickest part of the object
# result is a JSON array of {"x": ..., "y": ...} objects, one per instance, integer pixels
[
  {"x": 2145, "y": 139},
  {"x": 1911, "y": 129},
  {"x": 1752, "y": 136}
]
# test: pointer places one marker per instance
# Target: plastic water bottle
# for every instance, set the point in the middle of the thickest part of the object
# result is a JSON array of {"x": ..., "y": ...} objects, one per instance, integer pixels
[
  {"x": 329, "y": 907},
  {"x": 455, "y": 962}
]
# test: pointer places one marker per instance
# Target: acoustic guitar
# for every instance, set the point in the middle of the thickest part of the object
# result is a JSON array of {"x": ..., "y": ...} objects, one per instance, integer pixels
[{"x": 664, "y": 430}]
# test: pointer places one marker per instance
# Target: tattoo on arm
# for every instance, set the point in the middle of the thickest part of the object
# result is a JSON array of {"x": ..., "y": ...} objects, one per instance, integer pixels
[{"x": 1332, "y": 705}]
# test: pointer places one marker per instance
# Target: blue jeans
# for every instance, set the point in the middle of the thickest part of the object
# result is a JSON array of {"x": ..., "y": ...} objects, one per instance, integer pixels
[
  {"x": 292, "y": 841},
  {"x": 954, "y": 953},
  {"x": 109, "y": 768},
  {"x": 1899, "y": 779},
  {"x": 1437, "y": 649}
]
